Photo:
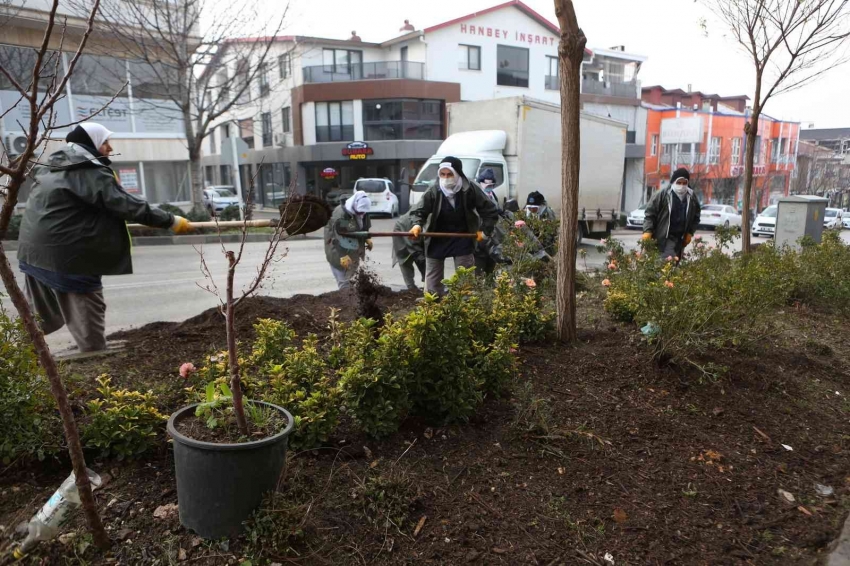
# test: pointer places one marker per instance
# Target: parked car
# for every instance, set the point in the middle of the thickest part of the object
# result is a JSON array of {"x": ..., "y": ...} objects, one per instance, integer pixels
[
  {"x": 382, "y": 195},
  {"x": 635, "y": 218},
  {"x": 337, "y": 196},
  {"x": 219, "y": 197},
  {"x": 714, "y": 215},
  {"x": 833, "y": 219},
  {"x": 845, "y": 220},
  {"x": 765, "y": 224}
]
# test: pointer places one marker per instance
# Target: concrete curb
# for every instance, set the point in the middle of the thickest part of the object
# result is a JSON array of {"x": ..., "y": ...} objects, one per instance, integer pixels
[
  {"x": 12, "y": 245},
  {"x": 840, "y": 555}
]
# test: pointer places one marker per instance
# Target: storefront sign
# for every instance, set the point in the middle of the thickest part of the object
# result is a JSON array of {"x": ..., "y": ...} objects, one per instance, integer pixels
[
  {"x": 129, "y": 179},
  {"x": 681, "y": 130},
  {"x": 329, "y": 173},
  {"x": 739, "y": 170},
  {"x": 498, "y": 33},
  {"x": 357, "y": 151}
]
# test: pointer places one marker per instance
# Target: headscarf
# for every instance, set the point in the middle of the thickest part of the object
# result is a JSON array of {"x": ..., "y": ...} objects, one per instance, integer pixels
[
  {"x": 450, "y": 192},
  {"x": 358, "y": 203},
  {"x": 90, "y": 136}
]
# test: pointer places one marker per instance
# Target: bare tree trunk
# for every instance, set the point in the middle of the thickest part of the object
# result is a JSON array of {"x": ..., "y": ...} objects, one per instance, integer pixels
[
  {"x": 45, "y": 358},
  {"x": 233, "y": 357},
  {"x": 197, "y": 172},
  {"x": 751, "y": 130},
  {"x": 571, "y": 52}
]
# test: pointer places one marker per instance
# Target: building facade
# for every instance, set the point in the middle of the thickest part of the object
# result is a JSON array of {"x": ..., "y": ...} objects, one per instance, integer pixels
[
  {"x": 152, "y": 160},
  {"x": 824, "y": 160},
  {"x": 707, "y": 137},
  {"x": 322, "y": 95}
]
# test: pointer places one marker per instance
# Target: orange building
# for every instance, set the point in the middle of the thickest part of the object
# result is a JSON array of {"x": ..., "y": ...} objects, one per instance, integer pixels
[{"x": 705, "y": 134}]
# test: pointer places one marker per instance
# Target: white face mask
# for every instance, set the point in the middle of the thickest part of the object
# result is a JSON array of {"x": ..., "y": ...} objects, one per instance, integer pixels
[
  {"x": 680, "y": 189},
  {"x": 448, "y": 183}
]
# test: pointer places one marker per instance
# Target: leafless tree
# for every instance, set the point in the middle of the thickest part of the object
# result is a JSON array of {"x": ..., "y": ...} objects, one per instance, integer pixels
[
  {"x": 571, "y": 55},
  {"x": 39, "y": 90},
  {"x": 194, "y": 59},
  {"x": 791, "y": 43}
]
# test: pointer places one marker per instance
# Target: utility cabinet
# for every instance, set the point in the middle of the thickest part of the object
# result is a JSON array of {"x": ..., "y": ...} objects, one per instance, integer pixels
[{"x": 799, "y": 216}]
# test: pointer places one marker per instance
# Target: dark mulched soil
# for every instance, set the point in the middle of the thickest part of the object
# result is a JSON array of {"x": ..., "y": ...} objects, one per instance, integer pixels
[{"x": 648, "y": 464}]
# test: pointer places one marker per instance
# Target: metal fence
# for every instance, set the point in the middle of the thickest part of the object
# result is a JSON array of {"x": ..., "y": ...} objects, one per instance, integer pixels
[
  {"x": 610, "y": 88},
  {"x": 378, "y": 70}
]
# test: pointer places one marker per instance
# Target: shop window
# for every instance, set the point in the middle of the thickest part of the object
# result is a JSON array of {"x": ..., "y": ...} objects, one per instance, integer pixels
[
  {"x": 335, "y": 121},
  {"x": 402, "y": 119},
  {"x": 167, "y": 181},
  {"x": 512, "y": 66}
]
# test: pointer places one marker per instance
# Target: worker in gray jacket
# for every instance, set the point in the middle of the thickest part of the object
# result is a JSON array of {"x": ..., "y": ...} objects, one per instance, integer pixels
[
  {"x": 74, "y": 232},
  {"x": 408, "y": 252},
  {"x": 672, "y": 215}
]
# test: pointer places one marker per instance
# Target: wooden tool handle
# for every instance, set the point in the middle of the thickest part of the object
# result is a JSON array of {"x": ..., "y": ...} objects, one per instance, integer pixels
[
  {"x": 409, "y": 235},
  {"x": 223, "y": 225}
]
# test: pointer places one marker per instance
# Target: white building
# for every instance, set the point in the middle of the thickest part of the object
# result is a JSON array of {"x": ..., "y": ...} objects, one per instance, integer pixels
[
  {"x": 149, "y": 138},
  {"x": 319, "y": 95}
]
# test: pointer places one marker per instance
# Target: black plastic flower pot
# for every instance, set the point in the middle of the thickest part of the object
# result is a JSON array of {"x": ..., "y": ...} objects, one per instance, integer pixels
[{"x": 220, "y": 485}]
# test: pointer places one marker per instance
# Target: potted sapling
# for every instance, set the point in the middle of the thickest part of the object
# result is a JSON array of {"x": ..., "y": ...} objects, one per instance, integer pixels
[{"x": 230, "y": 451}]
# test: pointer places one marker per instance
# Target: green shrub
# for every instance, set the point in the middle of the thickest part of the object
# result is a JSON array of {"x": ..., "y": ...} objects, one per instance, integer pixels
[
  {"x": 172, "y": 209},
  {"x": 519, "y": 305},
  {"x": 439, "y": 335},
  {"x": 376, "y": 378},
  {"x": 273, "y": 340},
  {"x": 709, "y": 300},
  {"x": 496, "y": 363},
  {"x": 298, "y": 381},
  {"x": 229, "y": 214},
  {"x": 823, "y": 273},
  {"x": 14, "y": 228},
  {"x": 198, "y": 215},
  {"x": 122, "y": 423},
  {"x": 29, "y": 422}
]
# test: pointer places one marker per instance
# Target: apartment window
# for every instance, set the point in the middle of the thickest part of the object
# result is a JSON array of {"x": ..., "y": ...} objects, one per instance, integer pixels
[
  {"x": 653, "y": 145},
  {"x": 285, "y": 66},
  {"x": 736, "y": 151},
  {"x": 334, "y": 121},
  {"x": 714, "y": 151},
  {"x": 264, "y": 81},
  {"x": 706, "y": 105},
  {"x": 213, "y": 145},
  {"x": 286, "y": 115},
  {"x": 512, "y": 66},
  {"x": 469, "y": 57},
  {"x": 631, "y": 136},
  {"x": 552, "y": 80},
  {"x": 243, "y": 86},
  {"x": 340, "y": 60},
  {"x": 267, "y": 129},
  {"x": 246, "y": 131},
  {"x": 757, "y": 146},
  {"x": 402, "y": 119}
]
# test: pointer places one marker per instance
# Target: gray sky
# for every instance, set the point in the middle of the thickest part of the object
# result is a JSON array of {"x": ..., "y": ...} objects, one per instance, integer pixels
[{"x": 666, "y": 31}]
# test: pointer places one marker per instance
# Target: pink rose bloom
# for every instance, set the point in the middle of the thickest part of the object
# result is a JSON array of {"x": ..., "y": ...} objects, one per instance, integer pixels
[
  {"x": 186, "y": 370},
  {"x": 697, "y": 238},
  {"x": 612, "y": 266},
  {"x": 669, "y": 258},
  {"x": 603, "y": 241},
  {"x": 520, "y": 245},
  {"x": 519, "y": 223},
  {"x": 606, "y": 283},
  {"x": 638, "y": 255},
  {"x": 530, "y": 283},
  {"x": 700, "y": 246},
  {"x": 669, "y": 284},
  {"x": 610, "y": 254}
]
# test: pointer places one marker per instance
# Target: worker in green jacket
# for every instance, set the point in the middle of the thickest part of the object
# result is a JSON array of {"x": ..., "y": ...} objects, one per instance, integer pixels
[
  {"x": 74, "y": 232},
  {"x": 344, "y": 253},
  {"x": 453, "y": 204}
]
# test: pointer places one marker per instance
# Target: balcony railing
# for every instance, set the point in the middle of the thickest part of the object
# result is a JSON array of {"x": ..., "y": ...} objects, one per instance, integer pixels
[
  {"x": 610, "y": 88},
  {"x": 378, "y": 70},
  {"x": 553, "y": 82}
]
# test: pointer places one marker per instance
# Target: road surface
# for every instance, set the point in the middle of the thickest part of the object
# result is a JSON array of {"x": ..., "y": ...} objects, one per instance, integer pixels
[{"x": 167, "y": 283}]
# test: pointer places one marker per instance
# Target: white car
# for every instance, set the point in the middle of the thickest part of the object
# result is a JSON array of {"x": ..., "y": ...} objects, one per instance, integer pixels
[
  {"x": 845, "y": 220},
  {"x": 381, "y": 194},
  {"x": 635, "y": 218},
  {"x": 715, "y": 215},
  {"x": 833, "y": 218},
  {"x": 765, "y": 224},
  {"x": 219, "y": 197}
]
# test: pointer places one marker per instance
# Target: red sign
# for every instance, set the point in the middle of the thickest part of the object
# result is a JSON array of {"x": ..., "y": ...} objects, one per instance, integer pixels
[
  {"x": 522, "y": 37},
  {"x": 329, "y": 173},
  {"x": 357, "y": 150}
]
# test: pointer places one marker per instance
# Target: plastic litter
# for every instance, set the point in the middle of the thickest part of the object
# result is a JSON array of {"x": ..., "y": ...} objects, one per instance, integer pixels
[{"x": 55, "y": 514}]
